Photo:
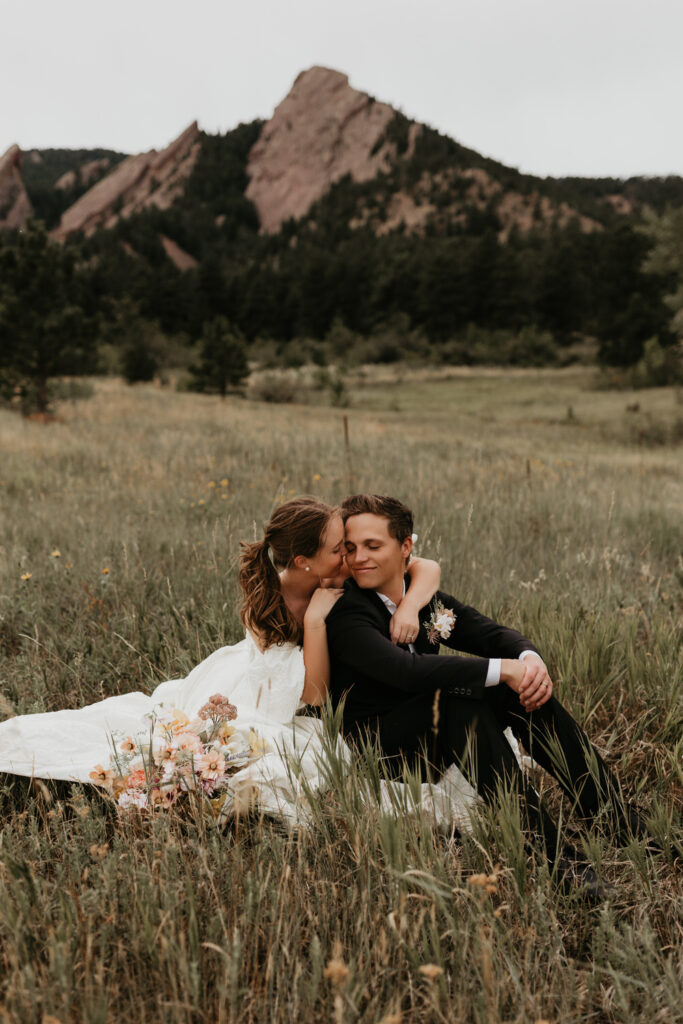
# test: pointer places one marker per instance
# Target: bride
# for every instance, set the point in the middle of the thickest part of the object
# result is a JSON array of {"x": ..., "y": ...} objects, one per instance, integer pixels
[{"x": 290, "y": 580}]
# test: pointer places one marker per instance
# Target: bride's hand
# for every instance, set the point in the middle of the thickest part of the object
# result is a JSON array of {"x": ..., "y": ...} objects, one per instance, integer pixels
[
  {"x": 320, "y": 606},
  {"x": 405, "y": 624}
]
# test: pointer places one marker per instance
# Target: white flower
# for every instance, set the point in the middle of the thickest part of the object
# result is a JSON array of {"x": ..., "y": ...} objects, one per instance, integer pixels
[
  {"x": 138, "y": 798},
  {"x": 444, "y": 623}
]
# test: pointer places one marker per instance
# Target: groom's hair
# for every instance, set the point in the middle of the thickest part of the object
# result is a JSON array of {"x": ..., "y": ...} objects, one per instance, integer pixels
[{"x": 398, "y": 515}]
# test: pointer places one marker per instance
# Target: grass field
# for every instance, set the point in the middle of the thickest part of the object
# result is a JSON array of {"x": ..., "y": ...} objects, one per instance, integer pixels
[{"x": 552, "y": 506}]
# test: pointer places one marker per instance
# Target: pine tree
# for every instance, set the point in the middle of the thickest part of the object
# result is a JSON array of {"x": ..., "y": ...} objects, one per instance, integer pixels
[
  {"x": 43, "y": 330},
  {"x": 222, "y": 358}
]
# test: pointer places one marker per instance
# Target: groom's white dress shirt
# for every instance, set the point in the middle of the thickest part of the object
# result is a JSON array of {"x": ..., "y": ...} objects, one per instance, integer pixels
[{"x": 493, "y": 674}]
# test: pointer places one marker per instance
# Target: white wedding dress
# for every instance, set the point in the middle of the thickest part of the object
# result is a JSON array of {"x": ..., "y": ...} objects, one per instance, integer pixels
[{"x": 265, "y": 687}]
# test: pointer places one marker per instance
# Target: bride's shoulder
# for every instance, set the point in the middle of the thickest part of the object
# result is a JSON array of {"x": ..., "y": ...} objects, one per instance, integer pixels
[{"x": 259, "y": 646}]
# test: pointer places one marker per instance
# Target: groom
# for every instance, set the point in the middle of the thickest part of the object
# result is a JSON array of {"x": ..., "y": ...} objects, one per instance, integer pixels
[{"x": 425, "y": 707}]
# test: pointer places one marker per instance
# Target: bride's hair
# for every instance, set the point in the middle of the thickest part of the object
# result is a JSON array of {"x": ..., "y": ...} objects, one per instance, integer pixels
[{"x": 296, "y": 527}]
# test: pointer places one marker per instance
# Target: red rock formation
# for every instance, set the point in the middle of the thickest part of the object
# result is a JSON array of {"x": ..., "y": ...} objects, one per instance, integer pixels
[
  {"x": 321, "y": 131},
  {"x": 182, "y": 259},
  {"x": 83, "y": 174},
  {"x": 15, "y": 205},
  {"x": 148, "y": 179}
]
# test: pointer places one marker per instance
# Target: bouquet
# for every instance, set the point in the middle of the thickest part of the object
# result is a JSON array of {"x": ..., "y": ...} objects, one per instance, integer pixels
[{"x": 180, "y": 758}]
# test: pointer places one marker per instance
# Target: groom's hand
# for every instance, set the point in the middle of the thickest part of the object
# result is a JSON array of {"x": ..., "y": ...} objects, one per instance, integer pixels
[
  {"x": 529, "y": 679},
  {"x": 537, "y": 686}
]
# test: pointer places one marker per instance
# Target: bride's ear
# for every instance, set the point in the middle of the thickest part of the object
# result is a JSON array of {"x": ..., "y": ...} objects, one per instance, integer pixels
[{"x": 300, "y": 562}]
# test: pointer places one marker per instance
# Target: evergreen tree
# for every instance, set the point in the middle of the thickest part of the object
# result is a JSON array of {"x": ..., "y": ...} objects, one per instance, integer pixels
[
  {"x": 43, "y": 330},
  {"x": 223, "y": 358}
]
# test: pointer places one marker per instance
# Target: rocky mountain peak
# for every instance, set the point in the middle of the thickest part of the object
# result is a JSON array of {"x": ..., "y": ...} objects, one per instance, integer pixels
[
  {"x": 15, "y": 205},
  {"x": 147, "y": 179},
  {"x": 322, "y": 130}
]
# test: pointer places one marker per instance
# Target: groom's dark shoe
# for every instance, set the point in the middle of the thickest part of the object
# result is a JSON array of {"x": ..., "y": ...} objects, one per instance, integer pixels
[{"x": 576, "y": 875}]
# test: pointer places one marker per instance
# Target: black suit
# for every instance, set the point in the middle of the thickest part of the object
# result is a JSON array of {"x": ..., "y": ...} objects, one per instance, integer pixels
[{"x": 426, "y": 707}]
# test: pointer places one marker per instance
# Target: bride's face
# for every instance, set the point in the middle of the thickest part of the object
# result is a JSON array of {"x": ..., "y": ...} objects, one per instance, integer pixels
[{"x": 328, "y": 560}]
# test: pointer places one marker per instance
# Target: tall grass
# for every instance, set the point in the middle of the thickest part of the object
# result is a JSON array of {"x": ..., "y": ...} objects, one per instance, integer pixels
[{"x": 564, "y": 526}]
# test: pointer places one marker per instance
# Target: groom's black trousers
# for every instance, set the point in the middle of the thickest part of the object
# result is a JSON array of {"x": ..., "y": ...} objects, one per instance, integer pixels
[{"x": 443, "y": 729}]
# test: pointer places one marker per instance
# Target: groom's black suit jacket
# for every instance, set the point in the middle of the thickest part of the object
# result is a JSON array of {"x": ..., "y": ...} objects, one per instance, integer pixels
[{"x": 375, "y": 675}]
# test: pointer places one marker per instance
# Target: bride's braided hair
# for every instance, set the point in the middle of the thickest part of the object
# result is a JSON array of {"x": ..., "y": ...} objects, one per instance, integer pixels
[{"x": 296, "y": 527}]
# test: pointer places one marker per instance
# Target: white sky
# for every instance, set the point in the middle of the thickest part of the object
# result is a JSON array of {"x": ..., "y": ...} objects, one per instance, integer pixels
[{"x": 588, "y": 87}]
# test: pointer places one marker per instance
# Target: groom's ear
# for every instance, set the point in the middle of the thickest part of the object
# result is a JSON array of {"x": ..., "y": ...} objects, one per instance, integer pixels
[{"x": 407, "y": 548}]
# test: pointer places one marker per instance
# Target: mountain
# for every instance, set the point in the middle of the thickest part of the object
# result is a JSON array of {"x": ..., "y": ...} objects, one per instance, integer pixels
[
  {"x": 15, "y": 205},
  {"x": 148, "y": 179},
  {"x": 341, "y": 211}
]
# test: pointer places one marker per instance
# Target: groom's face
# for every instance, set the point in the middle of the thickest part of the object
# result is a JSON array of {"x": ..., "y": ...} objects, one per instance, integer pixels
[{"x": 374, "y": 558}]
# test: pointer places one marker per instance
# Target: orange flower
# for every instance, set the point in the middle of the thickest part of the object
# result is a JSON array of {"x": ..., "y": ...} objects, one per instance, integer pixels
[
  {"x": 102, "y": 776},
  {"x": 27, "y": 576}
]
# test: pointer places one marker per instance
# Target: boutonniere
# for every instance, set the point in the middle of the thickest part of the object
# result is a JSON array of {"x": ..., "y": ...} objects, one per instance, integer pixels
[{"x": 440, "y": 625}]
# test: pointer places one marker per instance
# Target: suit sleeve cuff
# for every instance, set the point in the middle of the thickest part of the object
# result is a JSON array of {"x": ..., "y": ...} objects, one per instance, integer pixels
[{"x": 493, "y": 674}]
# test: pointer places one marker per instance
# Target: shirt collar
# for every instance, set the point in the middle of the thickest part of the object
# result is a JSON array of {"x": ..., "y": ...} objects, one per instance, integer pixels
[{"x": 387, "y": 600}]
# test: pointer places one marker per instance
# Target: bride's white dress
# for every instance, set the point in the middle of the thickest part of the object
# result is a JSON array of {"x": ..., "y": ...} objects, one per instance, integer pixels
[{"x": 265, "y": 687}]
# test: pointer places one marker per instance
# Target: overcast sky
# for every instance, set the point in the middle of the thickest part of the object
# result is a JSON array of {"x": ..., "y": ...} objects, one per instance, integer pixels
[{"x": 587, "y": 87}]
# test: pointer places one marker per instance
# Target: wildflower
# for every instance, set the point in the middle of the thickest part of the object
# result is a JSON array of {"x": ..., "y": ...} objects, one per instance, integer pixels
[
  {"x": 218, "y": 707},
  {"x": 27, "y": 576},
  {"x": 128, "y": 746},
  {"x": 163, "y": 796},
  {"x": 188, "y": 742},
  {"x": 430, "y": 971},
  {"x": 489, "y": 883},
  {"x": 212, "y": 483},
  {"x": 316, "y": 476},
  {"x": 224, "y": 497},
  {"x": 56, "y": 553},
  {"x": 136, "y": 779},
  {"x": 105, "y": 572},
  {"x": 175, "y": 721},
  {"x": 224, "y": 482},
  {"x": 210, "y": 765},
  {"x": 225, "y": 731},
  {"x": 257, "y": 745},
  {"x": 102, "y": 776},
  {"x": 337, "y": 972},
  {"x": 135, "y": 799}
]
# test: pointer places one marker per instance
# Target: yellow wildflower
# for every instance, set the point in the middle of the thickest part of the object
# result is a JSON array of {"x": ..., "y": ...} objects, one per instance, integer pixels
[
  {"x": 430, "y": 971},
  {"x": 56, "y": 553},
  {"x": 105, "y": 572},
  {"x": 224, "y": 482},
  {"x": 27, "y": 575},
  {"x": 316, "y": 476}
]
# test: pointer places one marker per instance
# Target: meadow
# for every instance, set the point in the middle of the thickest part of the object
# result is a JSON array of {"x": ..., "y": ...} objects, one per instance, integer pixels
[{"x": 551, "y": 506}]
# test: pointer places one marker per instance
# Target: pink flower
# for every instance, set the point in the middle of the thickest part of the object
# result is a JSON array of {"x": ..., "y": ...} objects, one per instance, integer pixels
[
  {"x": 134, "y": 799},
  {"x": 136, "y": 779},
  {"x": 218, "y": 708},
  {"x": 128, "y": 746},
  {"x": 188, "y": 742},
  {"x": 210, "y": 765}
]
